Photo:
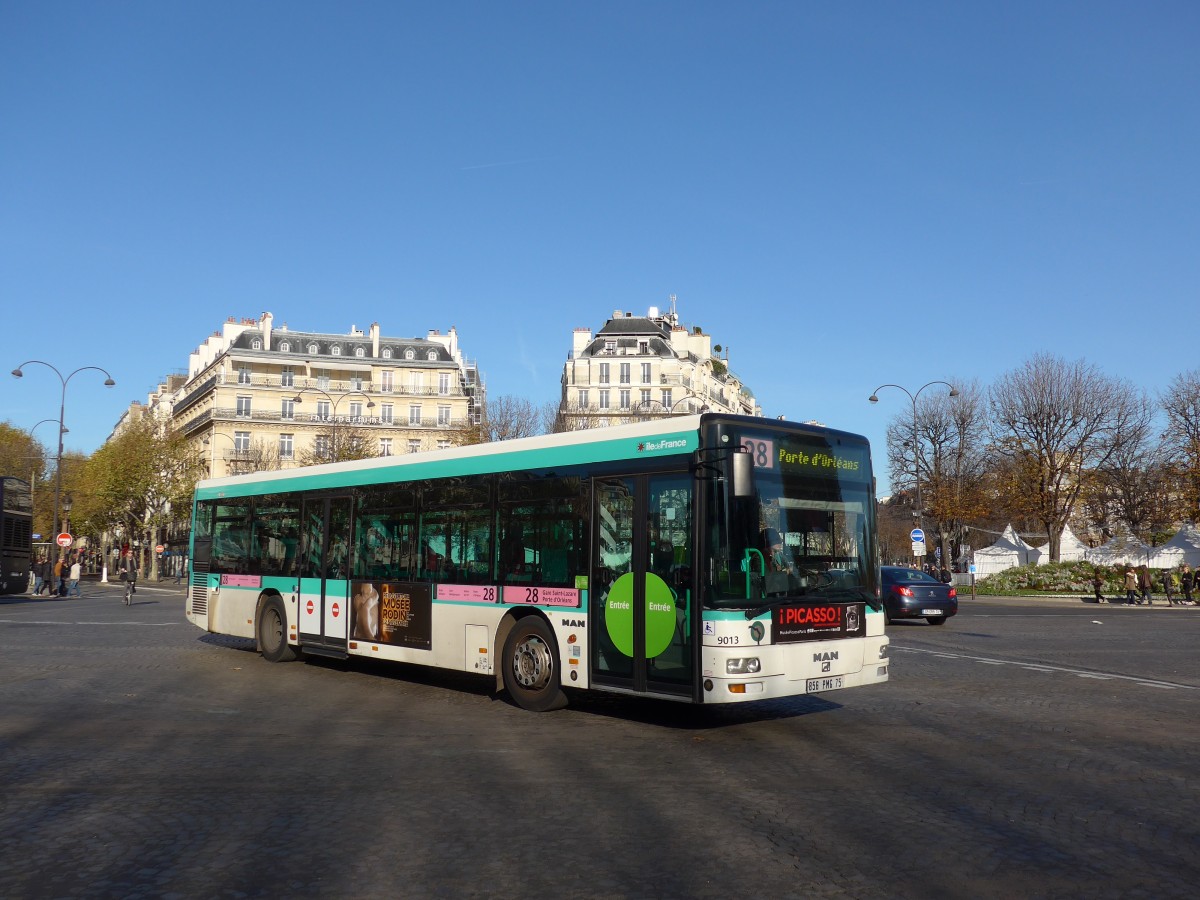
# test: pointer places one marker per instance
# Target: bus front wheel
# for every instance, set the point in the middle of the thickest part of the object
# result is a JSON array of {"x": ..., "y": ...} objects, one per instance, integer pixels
[
  {"x": 272, "y": 632},
  {"x": 530, "y": 664}
]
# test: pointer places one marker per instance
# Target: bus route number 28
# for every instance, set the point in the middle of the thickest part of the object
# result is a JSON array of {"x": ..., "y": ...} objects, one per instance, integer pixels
[{"x": 762, "y": 452}]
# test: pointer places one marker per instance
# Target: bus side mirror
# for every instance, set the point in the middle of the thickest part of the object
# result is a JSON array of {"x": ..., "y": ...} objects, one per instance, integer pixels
[{"x": 742, "y": 473}]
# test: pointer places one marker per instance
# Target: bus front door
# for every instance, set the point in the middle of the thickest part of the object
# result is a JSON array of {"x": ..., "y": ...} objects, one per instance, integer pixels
[
  {"x": 324, "y": 574},
  {"x": 641, "y": 604}
]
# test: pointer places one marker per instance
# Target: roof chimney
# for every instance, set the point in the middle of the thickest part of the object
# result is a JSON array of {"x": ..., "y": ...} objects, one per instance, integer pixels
[{"x": 375, "y": 340}]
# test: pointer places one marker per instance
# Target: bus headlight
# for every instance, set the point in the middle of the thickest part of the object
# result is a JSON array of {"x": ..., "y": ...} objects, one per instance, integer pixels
[{"x": 750, "y": 665}]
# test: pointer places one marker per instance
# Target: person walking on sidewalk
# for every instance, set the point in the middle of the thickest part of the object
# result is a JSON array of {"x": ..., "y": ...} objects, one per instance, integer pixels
[
  {"x": 39, "y": 576},
  {"x": 1131, "y": 586},
  {"x": 1146, "y": 585},
  {"x": 1170, "y": 583},
  {"x": 76, "y": 572},
  {"x": 1098, "y": 585},
  {"x": 1186, "y": 580}
]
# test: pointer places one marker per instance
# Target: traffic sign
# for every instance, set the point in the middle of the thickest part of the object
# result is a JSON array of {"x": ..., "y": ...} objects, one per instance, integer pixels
[
  {"x": 159, "y": 548},
  {"x": 64, "y": 540},
  {"x": 918, "y": 548},
  {"x": 917, "y": 535}
]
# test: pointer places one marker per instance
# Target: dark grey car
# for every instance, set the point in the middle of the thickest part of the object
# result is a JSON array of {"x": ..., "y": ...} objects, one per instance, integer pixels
[{"x": 912, "y": 594}]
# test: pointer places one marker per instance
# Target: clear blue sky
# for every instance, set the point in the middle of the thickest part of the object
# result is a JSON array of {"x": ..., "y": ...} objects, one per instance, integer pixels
[{"x": 844, "y": 194}]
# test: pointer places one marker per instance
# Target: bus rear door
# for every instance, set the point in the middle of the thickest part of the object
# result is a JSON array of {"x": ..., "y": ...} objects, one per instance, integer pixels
[{"x": 324, "y": 574}]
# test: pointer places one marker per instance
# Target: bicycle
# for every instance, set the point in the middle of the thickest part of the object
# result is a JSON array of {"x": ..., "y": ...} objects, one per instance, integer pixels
[{"x": 128, "y": 593}]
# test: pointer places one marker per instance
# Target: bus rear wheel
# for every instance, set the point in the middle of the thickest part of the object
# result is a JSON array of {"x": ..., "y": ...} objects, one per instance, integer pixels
[
  {"x": 530, "y": 662},
  {"x": 272, "y": 632}
]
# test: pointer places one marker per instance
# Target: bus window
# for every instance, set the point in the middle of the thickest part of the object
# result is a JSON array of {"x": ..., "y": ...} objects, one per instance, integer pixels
[
  {"x": 456, "y": 532},
  {"x": 276, "y": 535},
  {"x": 231, "y": 536}
]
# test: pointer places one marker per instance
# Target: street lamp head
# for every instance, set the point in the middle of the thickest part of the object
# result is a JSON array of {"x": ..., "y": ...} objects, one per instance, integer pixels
[
  {"x": 297, "y": 399},
  {"x": 370, "y": 404},
  {"x": 953, "y": 392},
  {"x": 108, "y": 382},
  {"x": 873, "y": 399},
  {"x": 17, "y": 373}
]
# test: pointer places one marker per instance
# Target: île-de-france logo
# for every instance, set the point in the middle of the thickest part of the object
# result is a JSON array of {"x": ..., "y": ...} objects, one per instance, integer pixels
[{"x": 665, "y": 444}]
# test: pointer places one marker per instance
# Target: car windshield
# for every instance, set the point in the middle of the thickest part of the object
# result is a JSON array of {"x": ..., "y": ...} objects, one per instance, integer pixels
[
  {"x": 807, "y": 531},
  {"x": 907, "y": 576}
]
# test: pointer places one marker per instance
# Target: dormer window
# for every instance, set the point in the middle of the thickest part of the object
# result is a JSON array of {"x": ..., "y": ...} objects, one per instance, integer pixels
[
  {"x": 285, "y": 347},
  {"x": 313, "y": 348},
  {"x": 335, "y": 350},
  {"x": 360, "y": 352},
  {"x": 432, "y": 354},
  {"x": 256, "y": 344},
  {"x": 410, "y": 353},
  {"x": 387, "y": 352}
]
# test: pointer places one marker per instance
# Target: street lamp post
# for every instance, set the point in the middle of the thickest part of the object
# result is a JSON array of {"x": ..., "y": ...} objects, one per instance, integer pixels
[
  {"x": 333, "y": 404},
  {"x": 916, "y": 444},
  {"x": 62, "y": 429},
  {"x": 32, "y": 470},
  {"x": 671, "y": 411},
  {"x": 212, "y": 451}
]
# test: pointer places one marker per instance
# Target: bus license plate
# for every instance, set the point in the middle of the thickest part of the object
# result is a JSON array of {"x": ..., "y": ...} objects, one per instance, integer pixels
[{"x": 816, "y": 685}]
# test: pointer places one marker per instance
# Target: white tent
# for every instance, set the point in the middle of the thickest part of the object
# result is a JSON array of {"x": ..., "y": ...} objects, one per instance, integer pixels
[
  {"x": 1183, "y": 548},
  {"x": 1122, "y": 550},
  {"x": 1070, "y": 548},
  {"x": 1009, "y": 551}
]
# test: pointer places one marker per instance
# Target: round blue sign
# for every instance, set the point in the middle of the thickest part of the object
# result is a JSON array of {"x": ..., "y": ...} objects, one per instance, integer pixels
[{"x": 917, "y": 535}]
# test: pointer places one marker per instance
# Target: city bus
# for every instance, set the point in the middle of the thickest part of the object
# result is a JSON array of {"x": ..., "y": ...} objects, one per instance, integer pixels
[
  {"x": 706, "y": 559},
  {"x": 16, "y": 534}
]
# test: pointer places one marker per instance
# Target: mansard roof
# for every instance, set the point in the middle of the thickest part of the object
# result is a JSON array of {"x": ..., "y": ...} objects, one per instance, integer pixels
[{"x": 298, "y": 343}]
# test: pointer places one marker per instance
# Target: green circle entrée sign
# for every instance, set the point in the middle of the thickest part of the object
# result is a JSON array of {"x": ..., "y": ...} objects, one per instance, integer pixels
[{"x": 660, "y": 615}]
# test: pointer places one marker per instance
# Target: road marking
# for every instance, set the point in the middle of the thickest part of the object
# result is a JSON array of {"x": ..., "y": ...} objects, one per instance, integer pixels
[
  {"x": 39, "y": 622},
  {"x": 1098, "y": 676}
]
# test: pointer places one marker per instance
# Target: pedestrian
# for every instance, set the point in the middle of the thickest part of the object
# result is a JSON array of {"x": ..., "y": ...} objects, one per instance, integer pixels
[
  {"x": 1098, "y": 584},
  {"x": 1186, "y": 580},
  {"x": 1131, "y": 586},
  {"x": 60, "y": 577},
  {"x": 76, "y": 572},
  {"x": 39, "y": 580},
  {"x": 1170, "y": 583},
  {"x": 47, "y": 576},
  {"x": 1146, "y": 585}
]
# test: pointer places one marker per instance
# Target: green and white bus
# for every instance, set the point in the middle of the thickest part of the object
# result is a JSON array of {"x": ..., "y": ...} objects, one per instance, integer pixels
[{"x": 707, "y": 559}]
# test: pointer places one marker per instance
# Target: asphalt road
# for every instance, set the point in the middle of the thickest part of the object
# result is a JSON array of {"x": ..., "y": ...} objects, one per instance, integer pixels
[{"x": 1024, "y": 749}]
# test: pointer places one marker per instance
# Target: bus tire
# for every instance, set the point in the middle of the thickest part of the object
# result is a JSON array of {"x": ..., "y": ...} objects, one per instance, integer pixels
[
  {"x": 272, "y": 632},
  {"x": 530, "y": 666}
]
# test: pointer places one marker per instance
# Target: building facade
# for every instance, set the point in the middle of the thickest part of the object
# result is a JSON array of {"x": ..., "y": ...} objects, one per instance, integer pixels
[
  {"x": 637, "y": 367},
  {"x": 258, "y": 396}
]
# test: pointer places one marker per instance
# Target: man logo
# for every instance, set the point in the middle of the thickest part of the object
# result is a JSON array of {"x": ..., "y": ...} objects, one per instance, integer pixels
[{"x": 572, "y": 623}]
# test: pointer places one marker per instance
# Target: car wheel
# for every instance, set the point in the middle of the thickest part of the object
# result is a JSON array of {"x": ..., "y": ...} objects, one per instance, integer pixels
[{"x": 936, "y": 620}]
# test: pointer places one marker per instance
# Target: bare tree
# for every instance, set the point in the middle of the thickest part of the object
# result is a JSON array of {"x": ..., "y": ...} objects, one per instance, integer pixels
[
  {"x": 507, "y": 417},
  {"x": 1181, "y": 438},
  {"x": 337, "y": 443},
  {"x": 1057, "y": 420},
  {"x": 947, "y": 452},
  {"x": 261, "y": 456},
  {"x": 573, "y": 417},
  {"x": 1129, "y": 487}
]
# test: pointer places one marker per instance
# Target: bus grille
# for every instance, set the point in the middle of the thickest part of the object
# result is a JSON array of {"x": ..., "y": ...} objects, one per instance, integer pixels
[{"x": 198, "y": 585}]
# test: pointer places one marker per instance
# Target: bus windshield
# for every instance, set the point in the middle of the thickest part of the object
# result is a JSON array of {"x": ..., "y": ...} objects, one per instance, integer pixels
[{"x": 803, "y": 533}]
